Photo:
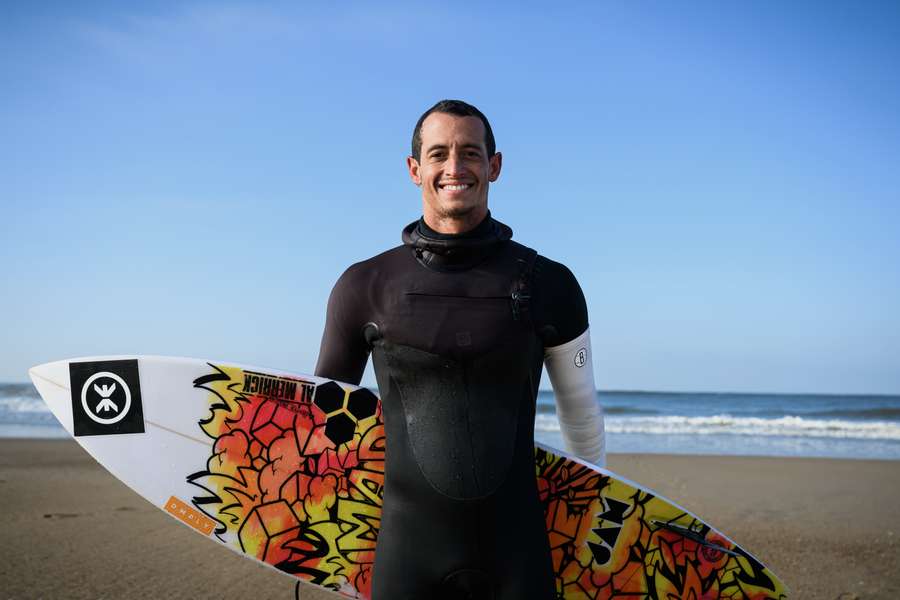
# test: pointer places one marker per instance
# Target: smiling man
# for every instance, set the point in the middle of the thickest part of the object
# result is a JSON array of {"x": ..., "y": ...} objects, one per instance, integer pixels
[
  {"x": 454, "y": 169},
  {"x": 459, "y": 320}
]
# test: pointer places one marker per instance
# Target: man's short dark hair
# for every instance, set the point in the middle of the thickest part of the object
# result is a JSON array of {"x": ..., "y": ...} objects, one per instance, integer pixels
[{"x": 459, "y": 109}]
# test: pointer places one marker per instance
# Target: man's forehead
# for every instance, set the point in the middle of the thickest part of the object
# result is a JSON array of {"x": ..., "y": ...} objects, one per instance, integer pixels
[{"x": 440, "y": 128}]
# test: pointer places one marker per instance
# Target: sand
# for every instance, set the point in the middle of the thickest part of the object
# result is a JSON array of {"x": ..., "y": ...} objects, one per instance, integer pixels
[{"x": 829, "y": 528}]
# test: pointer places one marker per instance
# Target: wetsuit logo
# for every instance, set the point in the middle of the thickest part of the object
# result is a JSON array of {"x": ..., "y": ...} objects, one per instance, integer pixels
[
  {"x": 106, "y": 397},
  {"x": 581, "y": 357}
]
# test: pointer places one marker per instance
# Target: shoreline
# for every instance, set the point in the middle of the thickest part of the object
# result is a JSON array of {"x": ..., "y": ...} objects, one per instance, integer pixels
[{"x": 830, "y": 528}]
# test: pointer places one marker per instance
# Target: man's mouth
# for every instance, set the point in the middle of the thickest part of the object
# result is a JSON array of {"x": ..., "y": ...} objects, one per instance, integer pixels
[{"x": 455, "y": 187}]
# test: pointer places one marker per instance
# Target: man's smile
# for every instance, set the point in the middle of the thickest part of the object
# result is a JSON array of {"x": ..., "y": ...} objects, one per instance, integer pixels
[{"x": 454, "y": 187}]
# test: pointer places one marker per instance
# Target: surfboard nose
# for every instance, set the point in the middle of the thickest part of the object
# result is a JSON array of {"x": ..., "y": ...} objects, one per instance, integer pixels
[
  {"x": 52, "y": 382},
  {"x": 54, "y": 373}
]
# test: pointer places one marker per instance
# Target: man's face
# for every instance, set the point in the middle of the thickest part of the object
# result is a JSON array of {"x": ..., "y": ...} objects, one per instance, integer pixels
[{"x": 454, "y": 171}]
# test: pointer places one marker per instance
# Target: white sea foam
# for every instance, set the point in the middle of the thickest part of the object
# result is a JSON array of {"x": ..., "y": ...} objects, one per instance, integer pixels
[
  {"x": 788, "y": 426},
  {"x": 20, "y": 406},
  {"x": 21, "y": 403}
]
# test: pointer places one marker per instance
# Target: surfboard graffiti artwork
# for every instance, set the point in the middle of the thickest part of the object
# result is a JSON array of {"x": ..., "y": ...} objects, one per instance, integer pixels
[
  {"x": 294, "y": 483},
  {"x": 296, "y": 474},
  {"x": 611, "y": 539}
]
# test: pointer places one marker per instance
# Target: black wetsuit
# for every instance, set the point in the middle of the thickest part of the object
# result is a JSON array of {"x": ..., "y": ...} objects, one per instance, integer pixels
[{"x": 456, "y": 325}]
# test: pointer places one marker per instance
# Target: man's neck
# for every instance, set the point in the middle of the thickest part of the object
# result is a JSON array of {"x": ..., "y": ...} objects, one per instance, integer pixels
[
  {"x": 455, "y": 225},
  {"x": 483, "y": 229}
]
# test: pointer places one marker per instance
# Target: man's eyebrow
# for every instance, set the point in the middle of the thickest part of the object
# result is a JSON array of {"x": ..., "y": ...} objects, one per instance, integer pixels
[{"x": 445, "y": 146}]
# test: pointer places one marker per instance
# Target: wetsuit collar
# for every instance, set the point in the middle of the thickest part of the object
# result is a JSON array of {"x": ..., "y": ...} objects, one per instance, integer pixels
[{"x": 455, "y": 252}]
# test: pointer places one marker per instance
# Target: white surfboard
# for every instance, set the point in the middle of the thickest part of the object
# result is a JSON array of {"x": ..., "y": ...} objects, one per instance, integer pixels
[{"x": 288, "y": 470}]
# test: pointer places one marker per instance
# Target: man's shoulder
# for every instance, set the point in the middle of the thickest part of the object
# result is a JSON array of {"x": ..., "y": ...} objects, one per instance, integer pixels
[
  {"x": 552, "y": 270},
  {"x": 373, "y": 267},
  {"x": 546, "y": 270},
  {"x": 559, "y": 304}
]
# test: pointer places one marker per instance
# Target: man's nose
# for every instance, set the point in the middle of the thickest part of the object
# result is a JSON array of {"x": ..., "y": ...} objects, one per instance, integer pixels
[{"x": 453, "y": 166}]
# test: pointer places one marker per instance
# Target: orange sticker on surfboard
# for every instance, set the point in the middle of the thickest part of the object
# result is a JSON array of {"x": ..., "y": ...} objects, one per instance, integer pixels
[{"x": 188, "y": 515}]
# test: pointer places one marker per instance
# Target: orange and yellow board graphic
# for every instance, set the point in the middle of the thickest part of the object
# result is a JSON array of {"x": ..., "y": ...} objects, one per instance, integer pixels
[{"x": 296, "y": 476}]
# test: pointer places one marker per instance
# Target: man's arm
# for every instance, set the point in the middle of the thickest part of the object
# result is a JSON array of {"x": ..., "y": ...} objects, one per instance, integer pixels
[
  {"x": 344, "y": 351},
  {"x": 580, "y": 416},
  {"x": 563, "y": 325}
]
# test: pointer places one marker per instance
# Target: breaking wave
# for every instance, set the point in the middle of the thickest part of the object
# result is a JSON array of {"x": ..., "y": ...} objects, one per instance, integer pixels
[{"x": 787, "y": 426}]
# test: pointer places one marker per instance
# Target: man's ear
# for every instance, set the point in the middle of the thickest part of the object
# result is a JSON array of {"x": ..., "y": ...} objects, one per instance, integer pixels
[
  {"x": 496, "y": 163},
  {"x": 413, "y": 165}
]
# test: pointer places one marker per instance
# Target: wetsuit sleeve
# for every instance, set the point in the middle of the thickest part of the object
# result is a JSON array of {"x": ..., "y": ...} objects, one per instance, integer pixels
[
  {"x": 344, "y": 350},
  {"x": 560, "y": 309},
  {"x": 563, "y": 326}
]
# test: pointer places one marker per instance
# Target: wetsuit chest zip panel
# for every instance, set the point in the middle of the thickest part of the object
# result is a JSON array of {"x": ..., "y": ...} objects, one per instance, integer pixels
[{"x": 461, "y": 417}]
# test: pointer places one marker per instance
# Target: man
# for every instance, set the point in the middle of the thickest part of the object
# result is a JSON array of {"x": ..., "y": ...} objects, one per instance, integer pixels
[{"x": 459, "y": 320}]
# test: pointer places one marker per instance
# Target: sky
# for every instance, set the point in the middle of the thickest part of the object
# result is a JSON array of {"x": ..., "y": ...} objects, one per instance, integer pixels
[{"x": 191, "y": 178}]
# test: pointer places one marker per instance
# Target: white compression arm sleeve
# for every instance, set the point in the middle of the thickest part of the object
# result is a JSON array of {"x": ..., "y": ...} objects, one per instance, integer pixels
[{"x": 580, "y": 416}]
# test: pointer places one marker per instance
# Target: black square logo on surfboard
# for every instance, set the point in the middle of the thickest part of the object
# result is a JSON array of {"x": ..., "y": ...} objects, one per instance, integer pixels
[{"x": 106, "y": 397}]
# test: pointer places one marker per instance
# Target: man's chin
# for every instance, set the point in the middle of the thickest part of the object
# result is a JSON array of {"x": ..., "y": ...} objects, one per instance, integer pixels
[{"x": 457, "y": 210}]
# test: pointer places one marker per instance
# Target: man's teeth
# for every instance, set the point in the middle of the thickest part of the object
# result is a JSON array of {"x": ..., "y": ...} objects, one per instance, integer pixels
[{"x": 457, "y": 188}]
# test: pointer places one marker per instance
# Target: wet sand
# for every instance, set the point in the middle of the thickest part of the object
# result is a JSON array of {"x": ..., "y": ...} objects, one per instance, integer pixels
[{"x": 829, "y": 528}]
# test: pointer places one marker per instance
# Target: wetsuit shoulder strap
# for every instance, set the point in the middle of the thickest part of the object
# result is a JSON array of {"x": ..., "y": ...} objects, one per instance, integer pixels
[{"x": 521, "y": 293}]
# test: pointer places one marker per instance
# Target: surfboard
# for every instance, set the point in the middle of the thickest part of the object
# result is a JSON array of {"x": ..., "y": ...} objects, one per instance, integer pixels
[{"x": 288, "y": 470}]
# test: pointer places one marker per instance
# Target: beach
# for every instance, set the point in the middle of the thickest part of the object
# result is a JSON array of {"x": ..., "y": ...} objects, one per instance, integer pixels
[{"x": 830, "y": 528}]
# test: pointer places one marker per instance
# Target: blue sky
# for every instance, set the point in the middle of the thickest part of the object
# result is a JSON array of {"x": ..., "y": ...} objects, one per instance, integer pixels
[{"x": 191, "y": 178}]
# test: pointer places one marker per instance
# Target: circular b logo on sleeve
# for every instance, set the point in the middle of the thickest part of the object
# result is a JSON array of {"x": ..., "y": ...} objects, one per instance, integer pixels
[
  {"x": 106, "y": 397},
  {"x": 581, "y": 357}
]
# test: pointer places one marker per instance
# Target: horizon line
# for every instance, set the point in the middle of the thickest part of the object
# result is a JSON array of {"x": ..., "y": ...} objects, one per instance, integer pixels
[{"x": 665, "y": 392}]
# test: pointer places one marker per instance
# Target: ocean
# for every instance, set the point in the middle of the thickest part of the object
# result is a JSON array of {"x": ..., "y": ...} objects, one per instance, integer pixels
[{"x": 833, "y": 426}]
